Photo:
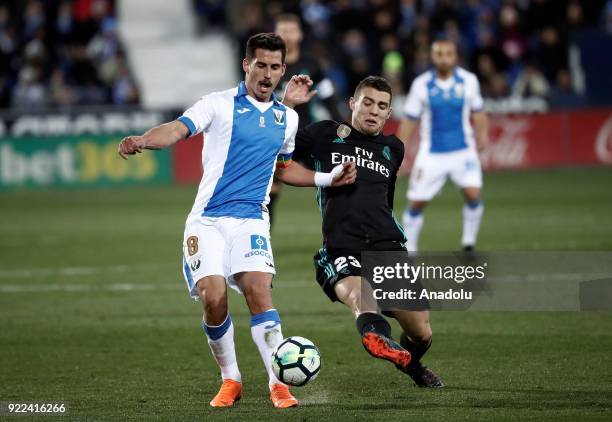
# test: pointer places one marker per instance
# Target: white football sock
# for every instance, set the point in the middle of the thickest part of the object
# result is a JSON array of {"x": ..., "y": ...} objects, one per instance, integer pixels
[
  {"x": 472, "y": 214},
  {"x": 221, "y": 342},
  {"x": 413, "y": 222},
  {"x": 267, "y": 335}
]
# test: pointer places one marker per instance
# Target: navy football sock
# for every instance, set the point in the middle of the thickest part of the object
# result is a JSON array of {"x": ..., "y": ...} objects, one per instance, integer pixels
[{"x": 371, "y": 321}]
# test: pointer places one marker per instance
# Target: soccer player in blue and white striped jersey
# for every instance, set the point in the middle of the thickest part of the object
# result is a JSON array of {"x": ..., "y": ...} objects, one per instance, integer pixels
[
  {"x": 444, "y": 100},
  {"x": 249, "y": 134}
]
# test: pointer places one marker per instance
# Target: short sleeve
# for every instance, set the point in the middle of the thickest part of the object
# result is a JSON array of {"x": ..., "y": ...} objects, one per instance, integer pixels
[
  {"x": 286, "y": 152},
  {"x": 476, "y": 101},
  {"x": 304, "y": 146},
  {"x": 413, "y": 108},
  {"x": 199, "y": 116},
  {"x": 400, "y": 155}
]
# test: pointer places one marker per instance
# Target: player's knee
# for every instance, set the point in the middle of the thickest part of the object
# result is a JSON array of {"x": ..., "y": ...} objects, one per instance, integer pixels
[
  {"x": 214, "y": 302},
  {"x": 256, "y": 288},
  {"x": 359, "y": 303},
  {"x": 257, "y": 294},
  {"x": 472, "y": 197},
  {"x": 417, "y": 206},
  {"x": 354, "y": 299}
]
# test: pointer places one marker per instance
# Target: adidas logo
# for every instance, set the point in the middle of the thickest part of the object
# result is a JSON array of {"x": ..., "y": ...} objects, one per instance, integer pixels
[{"x": 339, "y": 141}]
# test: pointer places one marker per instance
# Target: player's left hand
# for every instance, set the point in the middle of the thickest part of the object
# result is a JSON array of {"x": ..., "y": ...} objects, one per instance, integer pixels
[
  {"x": 131, "y": 145},
  {"x": 346, "y": 174},
  {"x": 298, "y": 91}
]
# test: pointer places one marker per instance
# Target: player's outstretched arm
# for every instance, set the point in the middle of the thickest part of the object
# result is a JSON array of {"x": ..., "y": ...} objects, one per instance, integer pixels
[
  {"x": 159, "y": 137},
  {"x": 297, "y": 175}
]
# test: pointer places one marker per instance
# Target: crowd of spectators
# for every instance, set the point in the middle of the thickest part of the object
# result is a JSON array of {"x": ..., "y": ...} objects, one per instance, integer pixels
[
  {"x": 61, "y": 53},
  {"x": 516, "y": 47}
]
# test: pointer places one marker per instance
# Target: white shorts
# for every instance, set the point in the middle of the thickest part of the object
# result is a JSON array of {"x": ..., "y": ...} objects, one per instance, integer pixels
[
  {"x": 430, "y": 171},
  {"x": 225, "y": 246}
]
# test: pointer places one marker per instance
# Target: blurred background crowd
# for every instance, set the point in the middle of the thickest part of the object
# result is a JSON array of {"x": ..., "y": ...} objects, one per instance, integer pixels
[
  {"x": 63, "y": 53},
  {"x": 516, "y": 47}
]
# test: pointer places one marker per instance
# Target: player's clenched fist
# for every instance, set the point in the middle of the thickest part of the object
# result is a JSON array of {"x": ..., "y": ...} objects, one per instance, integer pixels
[
  {"x": 130, "y": 145},
  {"x": 344, "y": 174}
]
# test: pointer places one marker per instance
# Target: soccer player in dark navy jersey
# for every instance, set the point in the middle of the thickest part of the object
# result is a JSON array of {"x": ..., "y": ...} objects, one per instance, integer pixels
[{"x": 359, "y": 218}]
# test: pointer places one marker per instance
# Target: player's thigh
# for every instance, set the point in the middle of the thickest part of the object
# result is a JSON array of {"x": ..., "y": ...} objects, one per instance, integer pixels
[
  {"x": 204, "y": 252},
  {"x": 427, "y": 177},
  {"x": 356, "y": 293},
  {"x": 466, "y": 171},
  {"x": 250, "y": 249},
  {"x": 415, "y": 324}
]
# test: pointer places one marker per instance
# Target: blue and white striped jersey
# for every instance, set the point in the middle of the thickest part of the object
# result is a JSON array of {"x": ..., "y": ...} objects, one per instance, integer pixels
[
  {"x": 444, "y": 109},
  {"x": 244, "y": 138}
]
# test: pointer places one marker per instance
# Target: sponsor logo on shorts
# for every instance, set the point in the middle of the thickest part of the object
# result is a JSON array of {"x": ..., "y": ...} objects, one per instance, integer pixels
[
  {"x": 259, "y": 242},
  {"x": 419, "y": 174},
  {"x": 259, "y": 247},
  {"x": 195, "y": 264}
]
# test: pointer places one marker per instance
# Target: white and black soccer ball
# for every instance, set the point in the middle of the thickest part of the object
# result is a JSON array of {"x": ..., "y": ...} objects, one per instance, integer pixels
[{"x": 296, "y": 361}]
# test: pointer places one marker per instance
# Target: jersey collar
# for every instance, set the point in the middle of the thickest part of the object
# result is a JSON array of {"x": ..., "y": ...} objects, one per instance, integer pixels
[
  {"x": 456, "y": 77},
  {"x": 242, "y": 92},
  {"x": 370, "y": 137}
]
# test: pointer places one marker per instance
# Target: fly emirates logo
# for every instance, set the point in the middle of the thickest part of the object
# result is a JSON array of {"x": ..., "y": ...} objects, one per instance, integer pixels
[{"x": 362, "y": 158}]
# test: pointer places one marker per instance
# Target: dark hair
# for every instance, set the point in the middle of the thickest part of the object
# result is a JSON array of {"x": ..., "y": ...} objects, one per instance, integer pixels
[
  {"x": 289, "y": 17},
  {"x": 266, "y": 41},
  {"x": 377, "y": 82},
  {"x": 443, "y": 38}
]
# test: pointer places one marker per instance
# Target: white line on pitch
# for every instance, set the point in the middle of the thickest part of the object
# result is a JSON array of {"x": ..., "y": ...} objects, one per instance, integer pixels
[
  {"x": 117, "y": 287},
  {"x": 77, "y": 271}
]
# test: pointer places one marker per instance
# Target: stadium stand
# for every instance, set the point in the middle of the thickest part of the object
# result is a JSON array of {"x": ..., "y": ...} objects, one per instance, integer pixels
[{"x": 60, "y": 53}]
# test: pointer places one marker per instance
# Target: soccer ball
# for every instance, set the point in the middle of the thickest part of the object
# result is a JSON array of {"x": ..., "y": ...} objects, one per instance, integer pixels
[{"x": 296, "y": 361}]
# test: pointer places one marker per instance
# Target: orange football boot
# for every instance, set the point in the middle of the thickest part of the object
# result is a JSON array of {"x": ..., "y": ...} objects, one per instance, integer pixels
[
  {"x": 383, "y": 347},
  {"x": 281, "y": 397},
  {"x": 229, "y": 393}
]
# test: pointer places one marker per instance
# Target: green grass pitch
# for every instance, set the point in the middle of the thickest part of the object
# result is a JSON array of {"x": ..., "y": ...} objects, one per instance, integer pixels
[{"x": 93, "y": 311}]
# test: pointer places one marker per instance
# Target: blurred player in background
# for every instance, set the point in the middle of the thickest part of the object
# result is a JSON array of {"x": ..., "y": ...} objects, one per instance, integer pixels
[
  {"x": 360, "y": 218},
  {"x": 444, "y": 99},
  {"x": 227, "y": 240},
  {"x": 289, "y": 27}
]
